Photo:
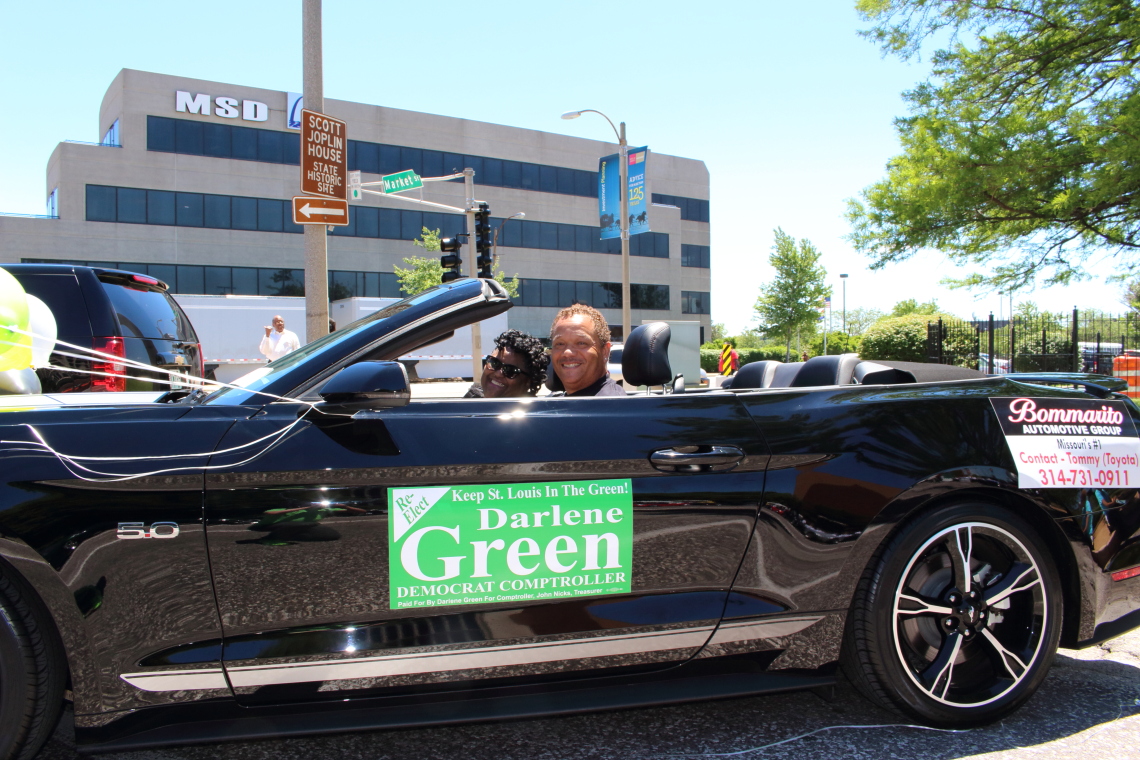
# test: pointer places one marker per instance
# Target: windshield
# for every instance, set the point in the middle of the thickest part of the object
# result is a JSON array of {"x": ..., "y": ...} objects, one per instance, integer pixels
[{"x": 262, "y": 377}]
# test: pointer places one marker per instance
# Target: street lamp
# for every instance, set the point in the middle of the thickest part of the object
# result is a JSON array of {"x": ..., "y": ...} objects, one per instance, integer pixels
[
  {"x": 623, "y": 149},
  {"x": 844, "y": 278},
  {"x": 495, "y": 239}
]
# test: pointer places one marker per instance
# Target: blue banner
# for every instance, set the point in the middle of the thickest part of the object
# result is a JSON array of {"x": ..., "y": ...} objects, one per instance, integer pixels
[
  {"x": 638, "y": 202},
  {"x": 609, "y": 196}
]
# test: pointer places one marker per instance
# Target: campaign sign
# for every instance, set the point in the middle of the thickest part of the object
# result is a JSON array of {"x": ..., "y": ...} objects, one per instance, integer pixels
[
  {"x": 1070, "y": 443},
  {"x": 638, "y": 203},
  {"x": 609, "y": 196},
  {"x": 482, "y": 544}
]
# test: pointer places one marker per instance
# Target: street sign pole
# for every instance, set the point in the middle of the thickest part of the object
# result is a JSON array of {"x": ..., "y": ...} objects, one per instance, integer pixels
[
  {"x": 316, "y": 242},
  {"x": 476, "y": 331}
]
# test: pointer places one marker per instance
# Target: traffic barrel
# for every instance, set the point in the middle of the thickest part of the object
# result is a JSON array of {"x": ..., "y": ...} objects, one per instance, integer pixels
[{"x": 1127, "y": 367}]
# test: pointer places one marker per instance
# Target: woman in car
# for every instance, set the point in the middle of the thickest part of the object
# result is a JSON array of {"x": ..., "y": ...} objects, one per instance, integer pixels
[{"x": 517, "y": 367}]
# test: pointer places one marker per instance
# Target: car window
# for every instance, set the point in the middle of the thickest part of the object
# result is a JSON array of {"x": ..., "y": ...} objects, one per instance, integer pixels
[
  {"x": 63, "y": 296},
  {"x": 147, "y": 313}
]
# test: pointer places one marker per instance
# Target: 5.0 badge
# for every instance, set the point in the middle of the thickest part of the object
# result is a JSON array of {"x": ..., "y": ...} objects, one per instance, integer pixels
[{"x": 140, "y": 530}]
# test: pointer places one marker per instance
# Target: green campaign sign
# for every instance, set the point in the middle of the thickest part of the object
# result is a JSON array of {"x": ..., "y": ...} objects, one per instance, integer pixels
[
  {"x": 401, "y": 181},
  {"x": 482, "y": 544}
]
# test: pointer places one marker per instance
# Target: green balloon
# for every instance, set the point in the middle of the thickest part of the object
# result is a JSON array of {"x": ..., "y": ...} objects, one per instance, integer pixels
[{"x": 13, "y": 313}]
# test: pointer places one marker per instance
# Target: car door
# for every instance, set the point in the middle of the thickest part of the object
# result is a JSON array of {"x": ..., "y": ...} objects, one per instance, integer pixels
[{"x": 466, "y": 540}]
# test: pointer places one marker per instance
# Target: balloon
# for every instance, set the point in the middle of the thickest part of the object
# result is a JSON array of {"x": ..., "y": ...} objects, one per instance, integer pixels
[
  {"x": 21, "y": 381},
  {"x": 13, "y": 313},
  {"x": 41, "y": 323}
]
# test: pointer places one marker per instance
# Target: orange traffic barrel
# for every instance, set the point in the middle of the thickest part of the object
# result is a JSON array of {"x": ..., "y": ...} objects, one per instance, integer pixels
[{"x": 1127, "y": 366}]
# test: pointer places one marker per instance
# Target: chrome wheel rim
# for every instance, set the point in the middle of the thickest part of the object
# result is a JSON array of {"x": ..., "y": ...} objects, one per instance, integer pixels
[{"x": 970, "y": 615}]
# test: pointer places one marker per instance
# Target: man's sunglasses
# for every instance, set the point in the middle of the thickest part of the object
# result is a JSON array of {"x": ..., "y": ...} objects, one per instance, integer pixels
[{"x": 509, "y": 371}]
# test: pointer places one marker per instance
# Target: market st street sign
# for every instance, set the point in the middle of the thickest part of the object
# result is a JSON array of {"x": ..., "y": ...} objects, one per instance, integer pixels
[
  {"x": 401, "y": 181},
  {"x": 310, "y": 210},
  {"x": 324, "y": 156}
]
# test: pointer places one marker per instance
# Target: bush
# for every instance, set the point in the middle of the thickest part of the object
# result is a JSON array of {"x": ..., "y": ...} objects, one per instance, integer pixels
[
  {"x": 897, "y": 338},
  {"x": 710, "y": 358},
  {"x": 838, "y": 342}
]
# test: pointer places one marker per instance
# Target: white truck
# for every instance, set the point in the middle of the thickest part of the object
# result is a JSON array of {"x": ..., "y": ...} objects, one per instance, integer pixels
[{"x": 230, "y": 329}]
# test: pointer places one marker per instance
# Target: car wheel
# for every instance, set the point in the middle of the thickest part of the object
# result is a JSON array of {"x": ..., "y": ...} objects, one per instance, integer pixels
[
  {"x": 31, "y": 675},
  {"x": 957, "y": 619}
]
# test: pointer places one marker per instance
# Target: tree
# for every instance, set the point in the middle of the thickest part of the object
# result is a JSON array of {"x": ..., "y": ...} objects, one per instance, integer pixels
[
  {"x": 791, "y": 301},
  {"x": 424, "y": 273},
  {"x": 1022, "y": 151},
  {"x": 911, "y": 306},
  {"x": 858, "y": 320},
  {"x": 718, "y": 332}
]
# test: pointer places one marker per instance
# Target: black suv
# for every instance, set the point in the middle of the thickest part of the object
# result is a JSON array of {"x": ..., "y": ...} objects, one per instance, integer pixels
[{"x": 119, "y": 313}]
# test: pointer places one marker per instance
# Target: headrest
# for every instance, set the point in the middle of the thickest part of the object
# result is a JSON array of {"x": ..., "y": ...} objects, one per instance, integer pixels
[
  {"x": 785, "y": 374},
  {"x": 645, "y": 358},
  {"x": 755, "y": 374},
  {"x": 826, "y": 370}
]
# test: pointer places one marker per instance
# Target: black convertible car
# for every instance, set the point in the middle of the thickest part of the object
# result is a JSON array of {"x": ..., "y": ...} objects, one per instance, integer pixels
[{"x": 315, "y": 551}]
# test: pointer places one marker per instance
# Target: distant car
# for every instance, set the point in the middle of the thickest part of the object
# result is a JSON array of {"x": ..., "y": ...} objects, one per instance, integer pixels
[
  {"x": 614, "y": 364},
  {"x": 120, "y": 313},
  {"x": 1001, "y": 366}
]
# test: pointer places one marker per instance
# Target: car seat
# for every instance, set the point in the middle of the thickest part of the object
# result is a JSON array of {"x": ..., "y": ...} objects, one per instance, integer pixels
[{"x": 645, "y": 358}]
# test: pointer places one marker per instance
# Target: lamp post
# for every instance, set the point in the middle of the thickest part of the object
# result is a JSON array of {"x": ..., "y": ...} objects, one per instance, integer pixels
[
  {"x": 844, "y": 278},
  {"x": 623, "y": 149},
  {"x": 495, "y": 238}
]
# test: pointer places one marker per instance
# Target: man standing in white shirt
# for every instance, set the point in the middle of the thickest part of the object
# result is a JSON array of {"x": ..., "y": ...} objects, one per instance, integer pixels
[{"x": 278, "y": 341}]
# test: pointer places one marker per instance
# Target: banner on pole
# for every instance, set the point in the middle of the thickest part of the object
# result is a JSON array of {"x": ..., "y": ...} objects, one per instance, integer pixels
[
  {"x": 609, "y": 196},
  {"x": 638, "y": 202}
]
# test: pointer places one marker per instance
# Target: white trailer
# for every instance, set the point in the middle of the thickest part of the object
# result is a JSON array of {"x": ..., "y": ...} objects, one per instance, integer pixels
[{"x": 231, "y": 328}]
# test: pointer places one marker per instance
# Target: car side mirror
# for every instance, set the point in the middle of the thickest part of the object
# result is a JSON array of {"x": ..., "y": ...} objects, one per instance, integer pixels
[{"x": 367, "y": 385}]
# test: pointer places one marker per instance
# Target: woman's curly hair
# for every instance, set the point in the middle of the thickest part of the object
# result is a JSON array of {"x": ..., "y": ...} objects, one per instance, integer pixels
[{"x": 530, "y": 347}]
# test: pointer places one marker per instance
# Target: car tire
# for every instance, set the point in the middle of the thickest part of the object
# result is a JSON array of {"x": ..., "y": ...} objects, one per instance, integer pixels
[
  {"x": 31, "y": 674},
  {"x": 927, "y": 641}
]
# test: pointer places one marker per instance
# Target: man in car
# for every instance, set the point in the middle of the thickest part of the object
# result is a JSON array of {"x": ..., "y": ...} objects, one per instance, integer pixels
[
  {"x": 278, "y": 341},
  {"x": 579, "y": 351}
]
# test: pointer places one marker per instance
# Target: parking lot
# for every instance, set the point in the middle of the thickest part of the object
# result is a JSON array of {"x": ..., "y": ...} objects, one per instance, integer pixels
[{"x": 1089, "y": 707}]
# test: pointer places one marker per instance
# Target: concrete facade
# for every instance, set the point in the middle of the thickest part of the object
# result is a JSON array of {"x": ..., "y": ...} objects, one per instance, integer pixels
[{"x": 135, "y": 95}]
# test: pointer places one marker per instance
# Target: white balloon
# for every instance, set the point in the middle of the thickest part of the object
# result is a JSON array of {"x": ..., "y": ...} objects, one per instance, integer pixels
[
  {"x": 41, "y": 323},
  {"x": 19, "y": 381}
]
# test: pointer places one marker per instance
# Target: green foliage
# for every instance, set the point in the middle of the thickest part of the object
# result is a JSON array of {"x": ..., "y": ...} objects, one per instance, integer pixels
[
  {"x": 911, "y": 306},
  {"x": 718, "y": 332},
  {"x": 897, "y": 338},
  {"x": 424, "y": 273},
  {"x": 1021, "y": 153},
  {"x": 791, "y": 301},
  {"x": 858, "y": 320},
  {"x": 710, "y": 357},
  {"x": 838, "y": 342}
]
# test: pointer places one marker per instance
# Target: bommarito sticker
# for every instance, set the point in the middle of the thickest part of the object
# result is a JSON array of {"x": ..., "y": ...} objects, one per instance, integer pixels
[
  {"x": 1070, "y": 443},
  {"x": 483, "y": 544}
]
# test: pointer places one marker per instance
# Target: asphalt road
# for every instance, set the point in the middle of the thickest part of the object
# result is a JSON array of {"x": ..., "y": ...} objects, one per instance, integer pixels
[{"x": 1088, "y": 708}]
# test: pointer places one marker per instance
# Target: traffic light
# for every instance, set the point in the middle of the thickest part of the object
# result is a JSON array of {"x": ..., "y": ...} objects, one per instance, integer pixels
[
  {"x": 484, "y": 258},
  {"x": 450, "y": 260}
]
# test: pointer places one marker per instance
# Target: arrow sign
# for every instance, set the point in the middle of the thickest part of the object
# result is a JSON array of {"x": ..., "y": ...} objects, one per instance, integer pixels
[{"x": 310, "y": 210}]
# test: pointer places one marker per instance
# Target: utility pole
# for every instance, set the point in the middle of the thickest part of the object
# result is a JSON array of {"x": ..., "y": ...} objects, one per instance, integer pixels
[
  {"x": 476, "y": 328},
  {"x": 316, "y": 240}
]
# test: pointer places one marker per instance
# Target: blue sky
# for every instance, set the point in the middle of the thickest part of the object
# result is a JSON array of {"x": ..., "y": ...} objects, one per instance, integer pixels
[{"x": 790, "y": 109}]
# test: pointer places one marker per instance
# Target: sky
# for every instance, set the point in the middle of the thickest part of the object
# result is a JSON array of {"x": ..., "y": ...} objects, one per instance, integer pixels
[{"x": 791, "y": 110}]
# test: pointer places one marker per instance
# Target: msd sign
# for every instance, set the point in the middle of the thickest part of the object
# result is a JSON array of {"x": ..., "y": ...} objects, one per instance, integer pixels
[{"x": 226, "y": 107}]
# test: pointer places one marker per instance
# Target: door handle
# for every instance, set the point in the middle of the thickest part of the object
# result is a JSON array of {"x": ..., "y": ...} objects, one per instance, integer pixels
[{"x": 697, "y": 458}]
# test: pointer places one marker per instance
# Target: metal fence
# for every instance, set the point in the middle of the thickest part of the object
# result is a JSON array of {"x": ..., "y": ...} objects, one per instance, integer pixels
[{"x": 1044, "y": 342}]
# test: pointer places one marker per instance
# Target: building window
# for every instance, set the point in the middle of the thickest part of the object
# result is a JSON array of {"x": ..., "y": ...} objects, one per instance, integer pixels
[
  {"x": 53, "y": 203},
  {"x": 601, "y": 295},
  {"x": 695, "y": 302},
  {"x": 695, "y": 256},
  {"x": 111, "y": 139},
  {"x": 692, "y": 209},
  {"x": 192, "y": 137},
  {"x": 131, "y": 205}
]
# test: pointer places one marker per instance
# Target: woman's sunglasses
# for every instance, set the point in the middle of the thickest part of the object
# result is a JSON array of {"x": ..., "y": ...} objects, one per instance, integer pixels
[{"x": 509, "y": 371}]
